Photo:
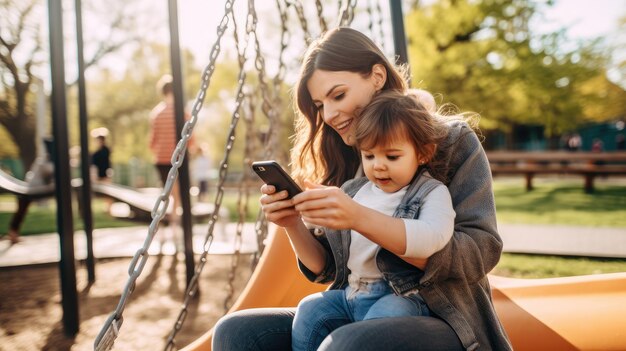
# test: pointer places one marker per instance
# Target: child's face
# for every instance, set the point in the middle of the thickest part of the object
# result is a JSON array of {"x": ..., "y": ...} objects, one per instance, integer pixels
[{"x": 391, "y": 167}]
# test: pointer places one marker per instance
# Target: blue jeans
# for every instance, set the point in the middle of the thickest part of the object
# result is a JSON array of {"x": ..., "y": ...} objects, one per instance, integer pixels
[
  {"x": 320, "y": 314},
  {"x": 269, "y": 329}
]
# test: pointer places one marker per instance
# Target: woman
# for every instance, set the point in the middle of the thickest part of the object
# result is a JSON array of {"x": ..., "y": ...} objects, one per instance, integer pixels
[{"x": 340, "y": 74}]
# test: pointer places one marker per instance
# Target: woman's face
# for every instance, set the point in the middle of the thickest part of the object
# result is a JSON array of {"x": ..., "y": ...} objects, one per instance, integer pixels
[{"x": 338, "y": 95}]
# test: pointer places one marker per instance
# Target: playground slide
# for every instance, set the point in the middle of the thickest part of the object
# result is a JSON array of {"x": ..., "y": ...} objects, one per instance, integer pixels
[{"x": 571, "y": 313}]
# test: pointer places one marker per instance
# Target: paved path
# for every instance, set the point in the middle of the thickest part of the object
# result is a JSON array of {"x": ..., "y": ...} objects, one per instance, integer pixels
[
  {"x": 564, "y": 240},
  {"x": 124, "y": 242}
]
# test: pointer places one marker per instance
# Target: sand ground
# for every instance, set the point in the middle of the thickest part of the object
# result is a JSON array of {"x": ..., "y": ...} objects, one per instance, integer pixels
[{"x": 31, "y": 313}]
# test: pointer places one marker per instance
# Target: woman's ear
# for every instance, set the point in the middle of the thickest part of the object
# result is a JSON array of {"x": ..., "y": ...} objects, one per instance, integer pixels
[{"x": 379, "y": 76}]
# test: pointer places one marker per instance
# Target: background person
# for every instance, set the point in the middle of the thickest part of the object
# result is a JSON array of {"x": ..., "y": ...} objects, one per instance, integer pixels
[
  {"x": 40, "y": 173},
  {"x": 202, "y": 167},
  {"x": 163, "y": 139},
  {"x": 101, "y": 158}
]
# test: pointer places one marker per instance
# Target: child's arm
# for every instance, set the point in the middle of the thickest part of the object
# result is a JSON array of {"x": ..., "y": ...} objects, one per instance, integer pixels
[
  {"x": 434, "y": 227},
  {"x": 330, "y": 207}
]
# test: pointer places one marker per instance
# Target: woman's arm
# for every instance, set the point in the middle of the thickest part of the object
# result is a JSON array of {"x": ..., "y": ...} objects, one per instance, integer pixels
[
  {"x": 279, "y": 210},
  {"x": 475, "y": 246}
]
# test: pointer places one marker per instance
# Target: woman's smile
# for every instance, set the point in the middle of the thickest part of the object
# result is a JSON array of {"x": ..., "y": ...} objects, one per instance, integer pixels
[{"x": 344, "y": 126}]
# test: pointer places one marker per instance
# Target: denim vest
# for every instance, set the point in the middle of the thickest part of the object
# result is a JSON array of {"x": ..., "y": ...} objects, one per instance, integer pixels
[{"x": 402, "y": 277}]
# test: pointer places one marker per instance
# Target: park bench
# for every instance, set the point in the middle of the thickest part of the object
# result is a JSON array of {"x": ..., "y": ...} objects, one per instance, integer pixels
[{"x": 586, "y": 164}]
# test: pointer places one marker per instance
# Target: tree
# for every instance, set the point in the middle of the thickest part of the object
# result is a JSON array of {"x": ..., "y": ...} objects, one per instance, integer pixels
[
  {"x": 483, "y": 56},
  {"x": 23, "y": 58}
]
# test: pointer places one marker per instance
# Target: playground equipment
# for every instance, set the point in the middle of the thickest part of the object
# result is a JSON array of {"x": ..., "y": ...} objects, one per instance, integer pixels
[
  {"x": 571, "y": 313},
  {"x": 22, "y": 188}
]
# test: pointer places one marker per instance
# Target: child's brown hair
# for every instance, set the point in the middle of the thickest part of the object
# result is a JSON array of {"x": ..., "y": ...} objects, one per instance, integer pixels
[{"x": 392, "y": 115}]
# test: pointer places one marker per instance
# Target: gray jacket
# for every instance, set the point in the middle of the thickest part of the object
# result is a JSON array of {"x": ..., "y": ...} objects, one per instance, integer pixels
[{"x": 454, "y": 283}]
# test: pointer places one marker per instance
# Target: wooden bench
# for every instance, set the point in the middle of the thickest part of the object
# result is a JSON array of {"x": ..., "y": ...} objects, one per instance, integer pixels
[{"x": 586, "y": 164}]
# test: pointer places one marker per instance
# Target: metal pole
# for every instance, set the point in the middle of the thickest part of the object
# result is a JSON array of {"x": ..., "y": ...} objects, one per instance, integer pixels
[
  {"x": 399, "y": 37},
  {"x": 85, "y": 161},
  {"x": 65, "y": 226},
  {"x": 179, "y": 109}
]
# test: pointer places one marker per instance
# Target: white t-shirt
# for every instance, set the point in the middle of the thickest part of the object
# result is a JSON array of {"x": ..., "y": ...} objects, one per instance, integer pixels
[{"x": 424, "y": 236}]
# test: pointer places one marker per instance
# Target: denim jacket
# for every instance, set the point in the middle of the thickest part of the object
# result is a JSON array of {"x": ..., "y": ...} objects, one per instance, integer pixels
[
  {"x": 401, "y": 276},
  {"x": 454, "y": 282}
]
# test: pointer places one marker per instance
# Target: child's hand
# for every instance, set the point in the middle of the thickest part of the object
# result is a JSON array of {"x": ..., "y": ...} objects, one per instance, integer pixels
[{"x": 326, "y": 206}]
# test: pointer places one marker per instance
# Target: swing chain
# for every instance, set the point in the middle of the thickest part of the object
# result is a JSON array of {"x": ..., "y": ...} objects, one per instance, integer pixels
[
  {"x": 242, "y": 205},
  {"x": 347, "y": 13},
  {"x": 303, "y": 22},
  {"x": 320, "y": 15},
  {"x": 192, "y": 290},
  {"x": 379, "y": 11},
  {"x": 110, "y": 330}
]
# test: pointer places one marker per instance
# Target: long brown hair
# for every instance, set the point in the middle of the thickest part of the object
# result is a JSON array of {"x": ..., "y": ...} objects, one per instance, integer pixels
[
  {"x": 319, "y": 153},
  {"x": 392, "y": 116}
]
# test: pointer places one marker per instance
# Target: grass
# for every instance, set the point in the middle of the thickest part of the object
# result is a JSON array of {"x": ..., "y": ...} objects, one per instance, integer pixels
[
  {"x": 560, "y": 203},
  {"x": 557, "y": 203},
  {"x": 41, "y": 217},
  {"x": 545, "y": 266}
]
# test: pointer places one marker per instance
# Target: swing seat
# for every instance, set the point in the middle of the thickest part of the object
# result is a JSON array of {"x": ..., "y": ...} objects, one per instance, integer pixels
[{"x": 570, "y": 313}]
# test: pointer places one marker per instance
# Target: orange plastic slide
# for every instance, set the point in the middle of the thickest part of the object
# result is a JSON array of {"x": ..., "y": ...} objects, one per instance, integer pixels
[{"x": 572, "y": 313}]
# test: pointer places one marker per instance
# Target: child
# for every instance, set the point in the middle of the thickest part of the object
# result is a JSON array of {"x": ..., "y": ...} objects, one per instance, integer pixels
[
  {"x": 397, "y": 136},
  {"x": 101, "y": 158}
]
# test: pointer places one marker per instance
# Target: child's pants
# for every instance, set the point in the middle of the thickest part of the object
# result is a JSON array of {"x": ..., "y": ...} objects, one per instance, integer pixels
[{"x": 319, "y": 314}]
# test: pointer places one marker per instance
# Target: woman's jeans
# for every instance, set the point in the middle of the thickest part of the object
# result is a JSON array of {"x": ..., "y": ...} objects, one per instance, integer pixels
[
  {"x": 319, "y": 314},
  {"x": 269, "y": 329}
]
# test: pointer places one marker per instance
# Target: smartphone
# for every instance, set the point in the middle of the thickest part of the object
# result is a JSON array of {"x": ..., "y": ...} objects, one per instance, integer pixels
[{"x": 273, "y": 174}]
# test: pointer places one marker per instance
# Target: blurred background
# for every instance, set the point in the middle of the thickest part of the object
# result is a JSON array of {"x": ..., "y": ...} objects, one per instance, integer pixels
[{"x": 538, "y": 72}]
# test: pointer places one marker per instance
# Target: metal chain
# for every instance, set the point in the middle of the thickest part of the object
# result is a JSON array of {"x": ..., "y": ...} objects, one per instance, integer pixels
[
  {"x": 320, "y": 15},
  {"x": 347, "y": 13},
  {"x": 110, "y": 330},
  {"x": 303, "y": 22},
  {"x": 261, "y": 223},
  {"x": 192, "y": 289},
  {"x": 260, "y": 227},
  {"x": 242, "y": 204},
  {"x": 267, "y": 106},
  {"x": 370, "y": 18},
  {"x": 380, "y": 26},
  {"x": 374, "y": 23}
]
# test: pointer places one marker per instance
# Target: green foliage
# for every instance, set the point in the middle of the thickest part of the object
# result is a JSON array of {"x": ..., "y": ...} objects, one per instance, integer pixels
[
  {"x": 483, "y": 56},
  {"x": 562, "y": 202},
  {"x": 8, "y": 149}
]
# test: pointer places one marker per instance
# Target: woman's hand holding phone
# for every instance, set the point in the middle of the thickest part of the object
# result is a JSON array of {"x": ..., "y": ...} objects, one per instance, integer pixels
[{"x": 278, "y": 208}]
